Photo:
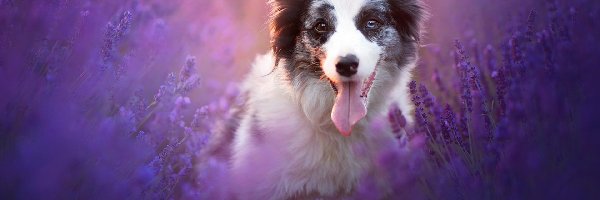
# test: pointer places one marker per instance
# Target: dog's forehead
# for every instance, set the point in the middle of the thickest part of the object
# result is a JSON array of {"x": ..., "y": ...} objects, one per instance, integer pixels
[{"x": 345, "y": 8}]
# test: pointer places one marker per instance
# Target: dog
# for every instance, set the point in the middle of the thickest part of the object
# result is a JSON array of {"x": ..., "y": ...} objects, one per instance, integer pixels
[{"x": 301, "y": 128}]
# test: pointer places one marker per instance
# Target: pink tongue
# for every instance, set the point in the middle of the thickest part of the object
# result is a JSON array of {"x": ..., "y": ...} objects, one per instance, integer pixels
[{"x": 349, "y": 107}]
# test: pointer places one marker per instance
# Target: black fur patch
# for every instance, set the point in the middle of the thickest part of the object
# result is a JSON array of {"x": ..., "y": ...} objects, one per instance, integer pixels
[
  {"x": 407, "y": 16},
  {"x": 399, "y": 31},
  {"x": 294, "y": 38},
  {"x": 321, "y": 14},
  {"x": 285, "y": 25},
  {"x": 377, "y": 11}
]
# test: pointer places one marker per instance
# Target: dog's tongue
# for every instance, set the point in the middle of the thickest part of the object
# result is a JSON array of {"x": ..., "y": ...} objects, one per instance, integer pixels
[{"x": 349, "y": 107}]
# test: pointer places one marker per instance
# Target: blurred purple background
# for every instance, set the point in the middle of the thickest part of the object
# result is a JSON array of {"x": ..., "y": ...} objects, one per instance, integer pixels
[{"x": 114, "y": 99}]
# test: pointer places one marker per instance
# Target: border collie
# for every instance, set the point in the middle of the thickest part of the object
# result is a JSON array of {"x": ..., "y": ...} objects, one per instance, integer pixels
[{"x": 334, "y": 66}]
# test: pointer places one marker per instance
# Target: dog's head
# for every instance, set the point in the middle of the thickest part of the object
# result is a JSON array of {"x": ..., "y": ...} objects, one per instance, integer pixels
[{"x": 350, "y": 46}]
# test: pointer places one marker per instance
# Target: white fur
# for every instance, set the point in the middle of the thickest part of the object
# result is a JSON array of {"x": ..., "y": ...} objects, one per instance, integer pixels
[
  {"x": 345, "y": 41},
  {"x": 295, "y": 154}
]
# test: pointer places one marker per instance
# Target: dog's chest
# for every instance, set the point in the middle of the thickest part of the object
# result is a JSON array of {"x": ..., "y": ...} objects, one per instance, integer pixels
[
  {"x": 287, "y": 146},
  {"x": 295, "y": 159},
  {"x": 329, "y": 163}
]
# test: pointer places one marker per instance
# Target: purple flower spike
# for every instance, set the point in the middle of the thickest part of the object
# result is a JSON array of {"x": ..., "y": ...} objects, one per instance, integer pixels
[
  {"x": 114, "y": 33},
  {"x": 463, "y": 66},
  {"x": 422, "y": 121},
  {"x": 397, "y": 120},
  {"x": 531, "y": 26}
]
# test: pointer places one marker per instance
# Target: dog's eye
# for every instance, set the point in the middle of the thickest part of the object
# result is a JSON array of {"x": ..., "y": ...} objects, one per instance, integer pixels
[
  {"x": 372, "y": 25},
  {"x": 321, "y": 28}
]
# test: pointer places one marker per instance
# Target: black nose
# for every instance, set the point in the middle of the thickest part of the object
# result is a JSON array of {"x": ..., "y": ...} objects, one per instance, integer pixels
[{"x": 347, "y": 66}]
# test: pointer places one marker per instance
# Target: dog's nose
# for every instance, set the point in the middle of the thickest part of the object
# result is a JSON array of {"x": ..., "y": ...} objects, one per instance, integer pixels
[{"x": 347, "y": 66}]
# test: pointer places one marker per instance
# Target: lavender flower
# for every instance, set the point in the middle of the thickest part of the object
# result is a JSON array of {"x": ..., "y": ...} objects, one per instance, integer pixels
[
  {"x": 531, "y": 26},
  {"x": 422, "y": 117},
  {"x": 463, "y": 66},
  {"x": 501, "y": 87},
  {"x": 431, "y": 110},
  {"x": 435, "y": 78},
  {"x": 450, "y": 130},
  {"x": 489, "y": 57},
  {"x": 517, "y": 55},
  {"x": 397, "y": 120},
  {"x": 188, "y": 77},
  {"x": 474, "y": 77},
  {"x": 69, "y": 131},
  {"x": 557, "y": 27},
  {"x": 114, "y": 34}
]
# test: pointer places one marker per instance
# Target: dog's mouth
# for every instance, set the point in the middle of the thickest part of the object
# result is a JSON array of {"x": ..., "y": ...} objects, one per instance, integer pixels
[{"x": 350, "y": 103}]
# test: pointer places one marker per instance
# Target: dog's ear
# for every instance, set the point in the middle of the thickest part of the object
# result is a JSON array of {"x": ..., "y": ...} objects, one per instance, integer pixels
[
  {"x": 408, "y": 17},
  {"x": 285, "y": 25}
]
